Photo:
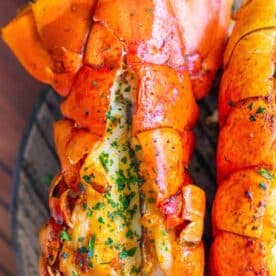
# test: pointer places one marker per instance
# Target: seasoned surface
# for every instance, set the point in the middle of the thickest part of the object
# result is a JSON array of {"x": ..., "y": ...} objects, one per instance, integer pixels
[{"x": 39, "y": 162}]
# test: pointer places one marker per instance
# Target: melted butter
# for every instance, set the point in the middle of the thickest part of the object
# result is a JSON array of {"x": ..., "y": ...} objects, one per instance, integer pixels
[
  {"x": 112, "y": 218},
  {"x": 163, "y": 247},
  {"x": 153, "y": 221}
]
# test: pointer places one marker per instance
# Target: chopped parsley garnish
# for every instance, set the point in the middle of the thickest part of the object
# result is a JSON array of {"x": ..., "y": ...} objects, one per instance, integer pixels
[
  {"x": 110, "y": 117},
  {"x": 135, "y": 270},
  {"x": 81, "y": 239},
  {"x": 117, "y": 213},
  {"x": 133, "y": 177},
  {"x": 89, "y": 213},
  {"x": 262, "y": 186},
  {"x": 125, "y": 200},
  {"x": 65, "y": 236},
  {"x": 137, "y": 148},
  {"x": 94, "y": 83},
  {"x": 87, "y": 178},
  {"x": 91, "y": 246},
  {"x": 260, "y": 110},
  {"x": 112, "y": 203},
  {"x": 74, "y": 273},
  {"x": 90, "y": 264},
  {"x": 132, "y": 211},
  {"x": 127, "y": 253},
  {"x": 114, "y": 144},
  {"x": 124, "y": 160},
  {"x": 250, "y": 106},
  {"x": 101, "y": 220},
  {"x": 82, "y": 250},
  {"x": 129, "y": 234},
  {"x": 64, "y": 255},
  {"x": 117, "y": 246},
  {"x": 109, "y": 241},
  {"x": 151, "y": 200},
  {"x": 125, "y": 147},
  {"x": 127, "y": 89},
  {"x": 265, "y": 173},
  {"x": 104, "y": 160},
  {"x": 98, "y": 206},
  {"x": 120, "y": 180},
  {"x": 252, "y": 118}
]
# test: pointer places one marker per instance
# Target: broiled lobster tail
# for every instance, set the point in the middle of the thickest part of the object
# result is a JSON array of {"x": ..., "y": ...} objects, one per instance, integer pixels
[
  {"x": 124, "y": 203},
  {"x": 50, "y": 37},
  {"x": 244, "y": 210}
]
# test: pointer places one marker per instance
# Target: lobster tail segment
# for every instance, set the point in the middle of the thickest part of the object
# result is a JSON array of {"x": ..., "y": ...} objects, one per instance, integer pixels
[
  {"x": 49, "y": 38},
  {"x": 130, "y": 71},
  {"x": 245, "y": 205},
  {"x": 183, "y": 35}
]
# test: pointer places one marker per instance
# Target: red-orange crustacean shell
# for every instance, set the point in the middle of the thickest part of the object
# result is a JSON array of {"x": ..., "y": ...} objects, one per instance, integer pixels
[
  {"x": 244, "y": 210},
  {"x": 174, "y": 48}
]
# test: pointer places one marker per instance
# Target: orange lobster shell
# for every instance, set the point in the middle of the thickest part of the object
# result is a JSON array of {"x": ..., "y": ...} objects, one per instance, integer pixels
[
  {"x": 89, "y": 51},
  {"x": 244, "y": 210}
]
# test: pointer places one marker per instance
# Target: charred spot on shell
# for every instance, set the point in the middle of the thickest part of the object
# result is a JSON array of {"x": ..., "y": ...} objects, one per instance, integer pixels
[
  {"x": 50, "y": 241},
  {"x": 57, "y": 186}
]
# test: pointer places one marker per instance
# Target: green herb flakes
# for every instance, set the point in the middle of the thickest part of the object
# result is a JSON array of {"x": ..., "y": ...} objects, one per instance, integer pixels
[
  {"x": 81, "y": 239},
  {"x": 65, "y": 236},
  {"x": 265, "y": 173},
  {"x": 98, "y": 206},
  {"x": 137, "y": 148},
  {"x": 151, "y": 200},
  {"x": 87, "y": 178},
  {"x": 91, "y": 246},
  {"x": 124, "y": 160},
  {"x": 262, "y": 186},
  {"x": 64, "y": 255},
  {"x": 128, "y": 88},
  {"x": 260, "y": 110},
  {"x": 82, "y": 250},
  {"x": 109, "y": 241},
  {"x": 129, "y": 234},
  {"x": 252, "y": 118},
  {"x": 127, "y": 253},
  {"x": 90, "y": 264},
  {"x": 101, "y": 220},
  {"x": 250, "y": 106},
  {"x": 104, "y": 158}
]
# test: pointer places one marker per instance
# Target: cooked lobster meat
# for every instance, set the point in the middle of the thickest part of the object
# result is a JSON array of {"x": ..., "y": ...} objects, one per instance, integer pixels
[
  {"x": 130, "y": 72},
  {"x": 244, "y": 210}
]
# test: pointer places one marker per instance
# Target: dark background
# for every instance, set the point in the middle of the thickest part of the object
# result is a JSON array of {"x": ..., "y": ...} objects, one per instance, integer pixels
[{"x": 18, "y": 93}]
